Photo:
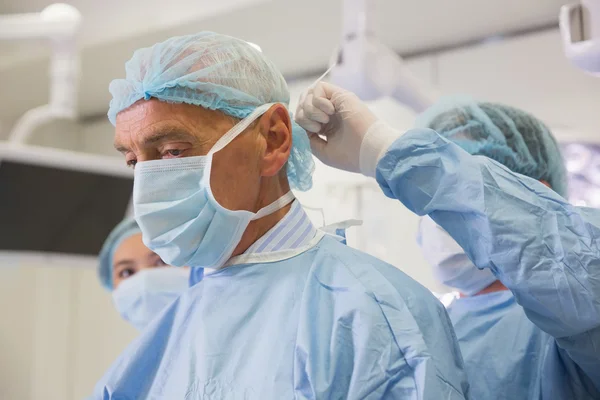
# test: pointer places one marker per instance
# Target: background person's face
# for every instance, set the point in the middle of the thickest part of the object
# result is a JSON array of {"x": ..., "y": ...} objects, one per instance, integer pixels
[
  {"x": 131, "y": 257},
  {"x": 153, "y": 130}
]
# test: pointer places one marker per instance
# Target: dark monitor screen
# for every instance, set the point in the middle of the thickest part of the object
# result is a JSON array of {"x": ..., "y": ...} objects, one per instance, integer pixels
[{"x": 49, "y": 209}]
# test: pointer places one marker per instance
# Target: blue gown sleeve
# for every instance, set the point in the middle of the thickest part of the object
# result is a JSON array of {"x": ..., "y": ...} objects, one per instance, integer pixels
[{"x": 545, "y": 250}]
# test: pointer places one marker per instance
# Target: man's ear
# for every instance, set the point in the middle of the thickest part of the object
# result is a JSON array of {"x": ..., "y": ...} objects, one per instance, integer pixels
[{"x": 276, "y": 127}]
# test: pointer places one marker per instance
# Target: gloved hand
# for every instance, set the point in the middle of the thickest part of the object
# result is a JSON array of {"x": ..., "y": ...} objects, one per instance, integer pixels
[{"x": 355, "y": 139}]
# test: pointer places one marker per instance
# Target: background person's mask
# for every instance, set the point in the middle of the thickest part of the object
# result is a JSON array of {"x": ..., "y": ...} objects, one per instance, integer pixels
[
  {"x": 451, "y": 266},
  {"x": 146, "y": 294}
]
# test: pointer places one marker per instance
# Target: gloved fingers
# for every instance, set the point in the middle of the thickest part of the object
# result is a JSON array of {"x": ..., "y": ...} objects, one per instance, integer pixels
[
  {"x": 312, "y": 112},
  {"x": 346, "y": 101},
  {"x": 306, "y": 112},
  {"x": 306, "y": 123},
  {"x": 322, "y": 94},
  {"x": 324, "y": 105},
  {"x": 327, "y": 90}
]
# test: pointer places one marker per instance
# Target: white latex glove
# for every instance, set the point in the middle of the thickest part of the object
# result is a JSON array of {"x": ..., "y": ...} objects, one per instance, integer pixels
[{"x": 355, "y": 139}]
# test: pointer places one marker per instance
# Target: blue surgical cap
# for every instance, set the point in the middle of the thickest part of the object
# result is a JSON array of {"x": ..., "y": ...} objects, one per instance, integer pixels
[
  {"x": 216, "y": 72},
  {"x": 508, "y": 135},
  {"x": 124, "y": 230}
]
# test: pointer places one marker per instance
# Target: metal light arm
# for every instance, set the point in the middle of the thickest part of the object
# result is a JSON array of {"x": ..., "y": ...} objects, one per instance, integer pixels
[{"x": 59, "y": 23}]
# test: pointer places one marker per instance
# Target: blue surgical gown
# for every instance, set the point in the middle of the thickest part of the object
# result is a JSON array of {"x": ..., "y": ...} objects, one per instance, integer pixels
[
  {"x": 546, "y": 251},
  {"x": 328, "y": 323}
]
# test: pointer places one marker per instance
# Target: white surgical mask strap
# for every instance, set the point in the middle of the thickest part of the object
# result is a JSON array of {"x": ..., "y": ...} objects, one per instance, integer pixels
[
  {"x": 276, "y": 205},
  {"x": 239, "y": 128}
]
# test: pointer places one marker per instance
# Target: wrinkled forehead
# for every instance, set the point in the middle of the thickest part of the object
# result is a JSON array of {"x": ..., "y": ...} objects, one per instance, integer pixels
[{"x": 147, "y": 121}]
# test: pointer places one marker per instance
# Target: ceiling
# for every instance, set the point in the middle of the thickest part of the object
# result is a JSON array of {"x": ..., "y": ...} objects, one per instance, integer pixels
[{"x": 298, "y": 36}]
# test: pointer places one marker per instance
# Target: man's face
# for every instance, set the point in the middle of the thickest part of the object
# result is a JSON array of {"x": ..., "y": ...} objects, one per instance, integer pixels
[
  {"x": 154, "y": 130},
  {"x": 131, "y": 257}
]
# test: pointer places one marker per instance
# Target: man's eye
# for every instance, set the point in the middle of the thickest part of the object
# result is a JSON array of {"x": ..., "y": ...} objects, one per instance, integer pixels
[
  {"x": 174, "y": 152},
  {"x": 131, "y": 163}
]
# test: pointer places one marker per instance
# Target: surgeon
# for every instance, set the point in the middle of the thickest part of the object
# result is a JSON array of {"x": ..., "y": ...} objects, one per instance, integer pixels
[
  {"x": 283, "y": 311},
  {"x": 142, "y": 285},
  {"x": 528, "y": 318}
]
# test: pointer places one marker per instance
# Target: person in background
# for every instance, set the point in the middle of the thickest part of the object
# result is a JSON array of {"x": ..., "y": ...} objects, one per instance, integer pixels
[
  {"x": 142, "y": 285},
  {"x": 526, "y": 261},
  {"x": 285, "y": 311}
]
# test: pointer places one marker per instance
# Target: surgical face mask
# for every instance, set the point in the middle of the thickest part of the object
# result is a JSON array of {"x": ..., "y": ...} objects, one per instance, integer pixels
[
  {"x": 179, "y": 217},
  {"x": 450, "y": 264},
  {"x": 142, "y": 297}
]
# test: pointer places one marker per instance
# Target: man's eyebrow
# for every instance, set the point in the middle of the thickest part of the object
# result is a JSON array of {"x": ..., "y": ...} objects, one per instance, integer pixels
[
  {"x": 160, "y": 136},
  {"x": 168, "y": 134}
]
